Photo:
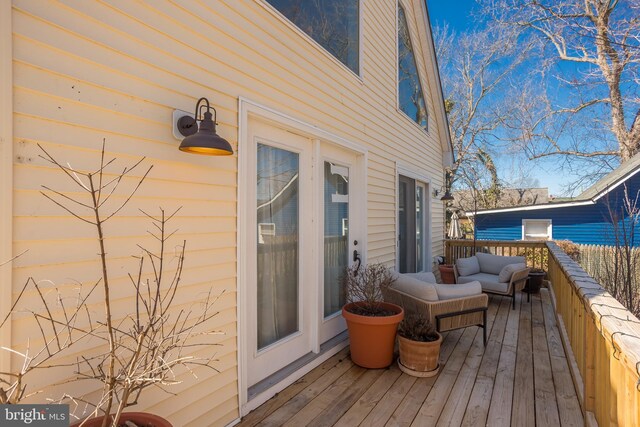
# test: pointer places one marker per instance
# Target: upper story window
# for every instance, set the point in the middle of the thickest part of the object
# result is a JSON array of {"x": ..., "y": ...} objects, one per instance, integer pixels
[
  {"x": 410, "y": 94},
  {"x": 332, "y": 23}
]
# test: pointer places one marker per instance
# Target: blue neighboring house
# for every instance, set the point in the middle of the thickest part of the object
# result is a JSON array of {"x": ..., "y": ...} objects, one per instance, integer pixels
[{"x": 588, "y": 218}]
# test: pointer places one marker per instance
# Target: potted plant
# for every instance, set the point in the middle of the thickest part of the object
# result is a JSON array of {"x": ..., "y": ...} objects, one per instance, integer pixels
[
  {"x": 446, "y": 271},
  {"x": 536, "y": 276},
  {"x": 419, "y": 344},
  {"x": 372, "y": 323},
  {"x": 155, "y": 343}
]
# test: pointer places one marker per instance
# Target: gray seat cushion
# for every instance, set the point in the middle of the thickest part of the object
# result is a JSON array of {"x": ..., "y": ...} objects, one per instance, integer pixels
[
  {"x": 489, "y": 282},
  {"x": 459, "y": 290},
  {"x": 493, "y": 264},
  {"x": 425, "y": 276},
  {"x": 508, "y": 270},
  {"x": 416, "y": 288},
  {"x": 468, "y": 266}
]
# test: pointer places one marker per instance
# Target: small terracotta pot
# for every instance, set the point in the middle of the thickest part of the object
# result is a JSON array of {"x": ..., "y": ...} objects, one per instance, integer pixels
[
  {"x": 142, "y": 419},
  {"x": 419, "y": 356},
  {"x": 446, "y": 274},
  {"x": 372, "y": 339}
]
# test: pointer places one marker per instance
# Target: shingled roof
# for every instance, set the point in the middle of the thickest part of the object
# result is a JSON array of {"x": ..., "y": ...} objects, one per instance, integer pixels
[{"x": 589, "y": 196}]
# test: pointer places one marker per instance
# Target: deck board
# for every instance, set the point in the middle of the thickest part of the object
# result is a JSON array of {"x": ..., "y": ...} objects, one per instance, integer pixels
[
  {"x": 523, "y": 408},
  {"x": 520, "y": 378},
  {"x": 478, "y": 408}
]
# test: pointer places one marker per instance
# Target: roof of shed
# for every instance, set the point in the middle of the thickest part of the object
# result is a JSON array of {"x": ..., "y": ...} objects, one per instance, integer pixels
[
  {"x": 616, "y": 176},
  {"x": 588, "y": 196}
]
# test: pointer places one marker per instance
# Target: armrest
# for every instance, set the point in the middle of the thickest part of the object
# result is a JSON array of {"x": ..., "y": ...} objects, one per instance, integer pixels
[
  {"x": 431, "y": 309},
  {"x": 457, "y": 304},
  {"x": 519, "y": 278}
]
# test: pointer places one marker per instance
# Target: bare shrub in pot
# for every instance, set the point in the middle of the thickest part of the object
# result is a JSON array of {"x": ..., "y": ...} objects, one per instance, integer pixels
[
  {"x": 364, "y": 289},
  {"x": 372, "y": 322},
  {"x": 155, "y": 342},
  {"x": 419, "y": 345}
]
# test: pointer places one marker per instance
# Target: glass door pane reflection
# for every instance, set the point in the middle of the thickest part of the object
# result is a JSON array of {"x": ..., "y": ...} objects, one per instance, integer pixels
[
  {"x": 420, "y": 232},
  {"x": 277, "y": 244},
  {"x": 336, "y": 235}
]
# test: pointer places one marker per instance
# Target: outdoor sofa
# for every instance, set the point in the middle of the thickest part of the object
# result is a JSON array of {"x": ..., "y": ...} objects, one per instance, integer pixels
[
  {"x": 448, "y": 307},
  {"x": 500, "y": 275}
]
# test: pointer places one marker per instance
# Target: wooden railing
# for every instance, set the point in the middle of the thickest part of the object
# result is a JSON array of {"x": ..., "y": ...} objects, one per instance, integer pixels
[
  {"x": 604, "y": 339},
  {"x": 535, "y": 252},
  {"x": 600, "y": 336}
]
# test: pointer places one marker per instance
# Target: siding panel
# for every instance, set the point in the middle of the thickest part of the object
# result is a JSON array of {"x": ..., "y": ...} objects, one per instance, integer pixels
[{"x": 116, "y": 69}]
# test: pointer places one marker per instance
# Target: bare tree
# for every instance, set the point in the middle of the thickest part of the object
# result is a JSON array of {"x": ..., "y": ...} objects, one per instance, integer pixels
[
  {"x": 56, "y": 318},
  {"x": 618, "y": 268},
  {"x": 582, "y": 100},
  {"x": 479, "y": 70}
]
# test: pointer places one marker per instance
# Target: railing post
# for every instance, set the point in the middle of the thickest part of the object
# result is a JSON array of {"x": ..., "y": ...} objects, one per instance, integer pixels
[{"x": 589, "y": 373}]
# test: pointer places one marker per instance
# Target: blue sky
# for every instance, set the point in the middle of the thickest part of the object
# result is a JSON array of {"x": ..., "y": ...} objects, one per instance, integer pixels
[{"x": 458, "y": 15}]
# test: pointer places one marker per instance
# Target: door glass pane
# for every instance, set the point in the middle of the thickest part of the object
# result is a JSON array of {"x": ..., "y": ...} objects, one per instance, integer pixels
[
  {"x": 420, "y": 190},
  {"x": 336, "y": 235},
  {"x": 277, "y": 226},
  {"x": 406, "y": 224}
]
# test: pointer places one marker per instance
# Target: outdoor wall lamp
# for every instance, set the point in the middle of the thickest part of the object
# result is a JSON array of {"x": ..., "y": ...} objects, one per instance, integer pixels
[
  {"x": 447, "y": 196},
  {"x": 202, "y": 139}
]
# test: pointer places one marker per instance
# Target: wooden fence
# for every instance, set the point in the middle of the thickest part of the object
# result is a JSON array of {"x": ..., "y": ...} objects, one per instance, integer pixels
[
  {"x": 600, "y": 336},
  {"x": 617, "y": 270},
  {"x": 535, "y": 252},
  {"x": 604, "y": 338}
]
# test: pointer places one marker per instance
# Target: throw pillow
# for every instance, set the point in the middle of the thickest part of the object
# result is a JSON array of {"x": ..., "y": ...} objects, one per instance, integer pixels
[
  {"x": 508, "y": 270},
  {"x": 467, "y": 266},
  {"x": 493, "y": 264},
  {"x": 416, "y": 288}
]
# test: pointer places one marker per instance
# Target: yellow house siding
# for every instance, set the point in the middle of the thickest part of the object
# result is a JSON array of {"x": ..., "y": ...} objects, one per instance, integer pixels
[
  {"x": 88, "y": 70},
  {"x": 6, "y": 171}
]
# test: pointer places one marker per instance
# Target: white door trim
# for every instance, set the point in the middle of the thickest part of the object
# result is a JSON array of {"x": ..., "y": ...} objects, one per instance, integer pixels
[
  {"x": 247, "y": 109},
  {"x": 6, "y": 171}
]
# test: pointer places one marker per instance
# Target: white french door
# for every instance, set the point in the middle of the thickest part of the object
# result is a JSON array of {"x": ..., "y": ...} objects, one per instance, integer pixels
[
  {"x": 279, "y": 298},
  {"x": 414, "y": 241},
  {"x": 303, "y": 216},
  {"x": 340, "y": 230}
]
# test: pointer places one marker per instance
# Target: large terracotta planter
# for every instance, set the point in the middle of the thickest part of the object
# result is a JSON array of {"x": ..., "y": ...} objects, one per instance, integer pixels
[
  {"x": 141, "y": 419},
  {"x": 446, "y": 274},
  {"x": 372, "y": 339},
  {"x": 419, "y": 358}
]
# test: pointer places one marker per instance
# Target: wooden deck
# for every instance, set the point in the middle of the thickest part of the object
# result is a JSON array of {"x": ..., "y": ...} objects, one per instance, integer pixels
[{"x": 521, "y": 378}]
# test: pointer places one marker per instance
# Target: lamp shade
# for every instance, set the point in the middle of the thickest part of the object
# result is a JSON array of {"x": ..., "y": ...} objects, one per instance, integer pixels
[
  {"x": 447, "y": 197},
  {"x": 205, "y": 140}
]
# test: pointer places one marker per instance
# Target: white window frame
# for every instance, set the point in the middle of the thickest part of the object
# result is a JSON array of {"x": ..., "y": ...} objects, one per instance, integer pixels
[
  {"x": 359, "y": 76},
  {"x": 549, "y": 234},
  {"x": 410, "y": 172},
  {"x": 401, "y": 3},
  {"x": 265, "y": 229}
]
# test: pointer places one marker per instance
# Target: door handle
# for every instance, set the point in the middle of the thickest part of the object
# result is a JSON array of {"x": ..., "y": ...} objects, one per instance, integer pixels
[{"x": 356, "y": 258}]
